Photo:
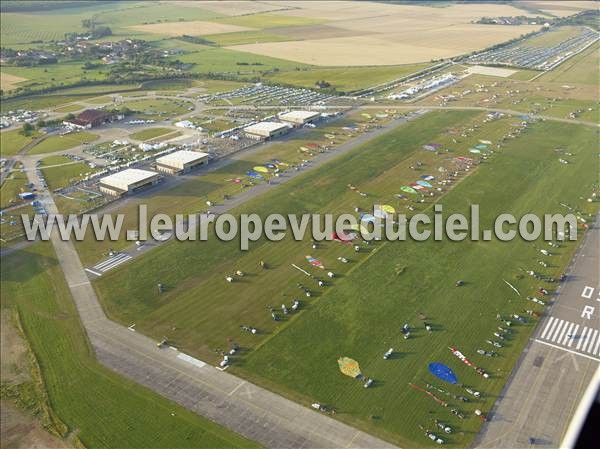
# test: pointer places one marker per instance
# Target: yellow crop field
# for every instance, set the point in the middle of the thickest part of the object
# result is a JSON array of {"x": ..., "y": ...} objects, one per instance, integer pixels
[
  {"x": 195, "y": 28},
  {"x": 9, "y": 82}
]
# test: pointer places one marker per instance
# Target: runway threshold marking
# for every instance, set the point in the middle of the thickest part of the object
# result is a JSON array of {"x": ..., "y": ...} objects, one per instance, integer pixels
[{"x": 567, "y": 350}]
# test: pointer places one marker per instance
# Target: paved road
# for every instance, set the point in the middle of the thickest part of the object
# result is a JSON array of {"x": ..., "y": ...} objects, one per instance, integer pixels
[
  {"x": 254, "y": 412},
  {"x": 558, "y": 364}
]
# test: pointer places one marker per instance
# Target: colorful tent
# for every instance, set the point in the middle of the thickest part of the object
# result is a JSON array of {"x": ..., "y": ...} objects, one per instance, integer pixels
[
  {"x": 349, "y": 367},
  {"x": 424, "y": 184},
  {"x": 343, "y": 238},
  {"x": 442, "y": 372},
  {"x": 367, "y": 218},
  {"x": 315, "y": 262},
  {"x": 427, "y": 177},
  {"x": 408, "y": 189}
]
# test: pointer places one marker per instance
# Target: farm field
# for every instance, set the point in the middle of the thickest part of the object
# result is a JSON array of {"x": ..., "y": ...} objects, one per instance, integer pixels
[
  {"x": 196, "y": 28},
  {"x": 346, "y": 79},
  {"x": 11, "y": 142},
  {"x": 9, "y": 82},
  {"x": 360, "y": 314},
  {"x": 61, "y": 143},
  {"x": 102, "y": 409}
]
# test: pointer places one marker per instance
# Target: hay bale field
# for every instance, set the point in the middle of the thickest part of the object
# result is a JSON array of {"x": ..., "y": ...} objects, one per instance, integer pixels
[{"x": 9, "y": 82}]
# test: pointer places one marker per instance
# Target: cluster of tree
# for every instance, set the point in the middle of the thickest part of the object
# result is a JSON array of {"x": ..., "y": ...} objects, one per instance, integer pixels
[
  {"x": 322, "y": 84},
  {"x": 513, "y": 20},
  {"x": 249, "y": 63},
  {"x": 197, "y": 40},
  {"x": 96, "y": 32}
]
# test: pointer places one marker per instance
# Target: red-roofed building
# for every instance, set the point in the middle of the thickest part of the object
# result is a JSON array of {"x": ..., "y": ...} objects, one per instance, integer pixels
[{"x": 90, "y": 118}]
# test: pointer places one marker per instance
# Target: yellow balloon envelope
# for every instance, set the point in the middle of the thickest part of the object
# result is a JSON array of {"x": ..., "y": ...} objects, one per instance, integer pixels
[
  {"x": 261, "y": 169},
  {"x": 387, "y": 208},
  {"x": 349, "y": 367}
]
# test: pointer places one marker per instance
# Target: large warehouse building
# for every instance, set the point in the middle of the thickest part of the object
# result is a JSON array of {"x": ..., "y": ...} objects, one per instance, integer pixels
[
  {"x": 266, "y": 130},
  {"x": 299, "y": 118},
  {"x": 181, "y": 161},
  {"x": 90, "y": 118},
  {"x": 128, "y": 181}
]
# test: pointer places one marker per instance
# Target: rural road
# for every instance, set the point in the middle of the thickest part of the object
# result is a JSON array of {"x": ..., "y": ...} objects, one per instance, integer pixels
[
  {"x": 559, "y": 363},
  {"x": 269, "y": 419}
]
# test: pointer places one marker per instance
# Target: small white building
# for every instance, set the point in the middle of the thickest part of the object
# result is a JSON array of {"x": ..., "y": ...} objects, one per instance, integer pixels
[
  {"x": 266, "y": 130},
  {"x": 127, "y": 181},
  {"x": 299, "y": 118},
  {"x": 181, "y": 161}
]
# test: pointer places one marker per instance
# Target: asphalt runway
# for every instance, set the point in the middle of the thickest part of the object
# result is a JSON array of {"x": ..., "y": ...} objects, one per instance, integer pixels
[
  {"x": 558, "y": 364},
  {"x": 258, "y": 414}
]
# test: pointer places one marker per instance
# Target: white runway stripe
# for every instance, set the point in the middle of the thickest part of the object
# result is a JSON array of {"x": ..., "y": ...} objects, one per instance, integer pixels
[
  {"x": 547, "y": 327},
  {"x": 574, "y": 333},
  {"x": 596, "y": 350},
  {"x": 581, "y": 338},
  {"x": 564, "y": 333},
  {"x": 568, "y": 334},
  {"x": 112, "y": 262},
  {"x": 590, "y": 340},
  {"x": 558, "y": 328}
]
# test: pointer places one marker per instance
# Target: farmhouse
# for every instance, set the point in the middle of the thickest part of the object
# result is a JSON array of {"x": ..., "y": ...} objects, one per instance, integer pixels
[
  {"x": 89, "y": 119},
  {"x": 127, "y": 181},
  {"x": 266, "y": 130},
  {"x": 299, "y": 118},
  {"x": 181, "y": 161}
]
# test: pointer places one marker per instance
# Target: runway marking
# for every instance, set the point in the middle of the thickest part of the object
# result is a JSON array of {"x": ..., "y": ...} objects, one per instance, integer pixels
[
  {"x": 564, "y": 333},
  {"x": 568, "y": 350},
  {"x": 191, "y": 360},
  {"x": 79, "y": 284},
  {"x": 236, "y": 388},
  {"x": 110, "y": 263}
]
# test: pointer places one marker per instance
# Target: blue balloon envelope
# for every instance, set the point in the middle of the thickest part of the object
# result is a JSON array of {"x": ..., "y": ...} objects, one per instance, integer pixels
[{"x": 442, "y": 372}]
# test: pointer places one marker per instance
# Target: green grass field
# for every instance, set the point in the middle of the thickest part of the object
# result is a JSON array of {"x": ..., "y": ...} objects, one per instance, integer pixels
[
  {"x": 159, "y": 107},
  {"x": 13, "y": 184},
  {"x": 11, "y": 142},
  {"x": 268, "y": 20},
  {"x": 102, "y": 409},
  {"x": 346, "y": 79},
  {"x": 150, "y": 133},
  {"x": 61, "y": 143},
  {"x": 59, "y": 177},
  {"x": 361, "y": 313},
  {"x": 580, "y": 69}
]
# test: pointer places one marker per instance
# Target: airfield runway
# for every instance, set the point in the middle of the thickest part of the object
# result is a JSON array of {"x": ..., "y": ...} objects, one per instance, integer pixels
[
  {"x": 265, "y": 417},
  {"x": 558, "y": 364}
]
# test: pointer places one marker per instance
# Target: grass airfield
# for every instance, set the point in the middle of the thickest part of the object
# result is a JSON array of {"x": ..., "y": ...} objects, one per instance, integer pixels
[{"x": 351, "y": 317}]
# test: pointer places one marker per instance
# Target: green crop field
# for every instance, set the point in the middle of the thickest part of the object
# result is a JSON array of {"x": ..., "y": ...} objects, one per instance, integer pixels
[
  {"x": 11, "y": 142},
  {"x": 346, "y": 79},
  {"x": 213, "y": 60},
  {"x": 100, "y": 408},
  {"x": 150, "y": 133},
  {"x": 61, "y": 143},
  {"x": 352, "y": 317}
]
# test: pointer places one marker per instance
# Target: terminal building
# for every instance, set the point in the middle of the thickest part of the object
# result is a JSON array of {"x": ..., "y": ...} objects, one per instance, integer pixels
[
  {"x": 299, "y": 118},
  {"x": 181, "y": 161},
  {"x": 128, "y": 181},
  {"x": 266, "y": 130}
]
